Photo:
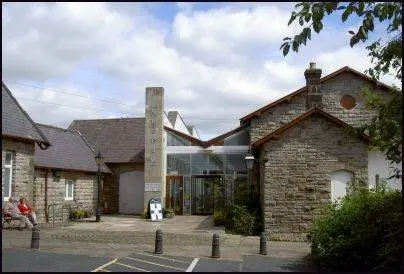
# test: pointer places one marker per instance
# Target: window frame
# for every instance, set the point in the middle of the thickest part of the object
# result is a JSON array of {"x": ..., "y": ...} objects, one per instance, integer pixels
[
  {"x": 10, "y": 166},
  {"x": 67, "y": 198}
]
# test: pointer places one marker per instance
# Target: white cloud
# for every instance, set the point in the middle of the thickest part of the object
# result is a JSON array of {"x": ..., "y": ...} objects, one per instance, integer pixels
[{"x": 216, "y": 66}]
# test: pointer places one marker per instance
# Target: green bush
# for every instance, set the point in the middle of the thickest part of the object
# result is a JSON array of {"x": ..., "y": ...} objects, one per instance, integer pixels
[
  {"x": 78, "y": 214},
  {"x": 363, "y": 233},
  {"x": 145, "y": 215},
  {"x": 219, "y": 218},
  {"x": 168, "y": 213}
]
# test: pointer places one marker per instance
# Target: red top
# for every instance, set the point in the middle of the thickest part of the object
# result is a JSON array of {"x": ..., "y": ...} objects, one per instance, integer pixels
[{"x": 24, "y": 209}]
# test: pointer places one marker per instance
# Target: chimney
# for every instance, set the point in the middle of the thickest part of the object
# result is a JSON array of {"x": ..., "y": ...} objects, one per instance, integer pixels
[{"x": 313, "y": 84}]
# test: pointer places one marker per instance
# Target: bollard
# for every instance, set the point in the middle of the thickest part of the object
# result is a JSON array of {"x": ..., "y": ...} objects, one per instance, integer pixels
[
  {"x": 158, "y": 247},
  {"x": 35, "y": 238},
  {"x": 215, "y": 246},
  {"x": 263, "y": 244}
]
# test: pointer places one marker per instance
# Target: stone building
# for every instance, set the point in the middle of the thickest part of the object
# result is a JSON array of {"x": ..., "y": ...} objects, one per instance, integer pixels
[
  {"x": 19, "y": 134},
  {"x": 65, "y": 175},
  {"x": 304, "y": 156}
]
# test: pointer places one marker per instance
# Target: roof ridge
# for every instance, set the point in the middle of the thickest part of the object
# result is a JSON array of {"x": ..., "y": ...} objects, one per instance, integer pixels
[
  {"x": 57, "y": 128},
  {"x": 108, "y": 119},
  {"x": 45, "y": 141}
]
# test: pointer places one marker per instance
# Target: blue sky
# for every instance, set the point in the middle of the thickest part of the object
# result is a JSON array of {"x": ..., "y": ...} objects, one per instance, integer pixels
[{"x": 216, "y": 61}]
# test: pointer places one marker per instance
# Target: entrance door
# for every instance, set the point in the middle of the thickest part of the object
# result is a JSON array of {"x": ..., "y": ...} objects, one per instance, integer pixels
[
  {"x": 207, "y": 194},
  {"x": 175, "y": 194},
  {"x": 131, "y": 192}
]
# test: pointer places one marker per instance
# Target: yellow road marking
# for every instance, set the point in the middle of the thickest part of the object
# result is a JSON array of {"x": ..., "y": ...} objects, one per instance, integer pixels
[
  {"x": 154, "y": 263},
  {"x": 104, "y": 265},
  {"x": 175, "y": 260},
  {"x": 103, "y": 270},
  {"x": 132, "y": 267}
]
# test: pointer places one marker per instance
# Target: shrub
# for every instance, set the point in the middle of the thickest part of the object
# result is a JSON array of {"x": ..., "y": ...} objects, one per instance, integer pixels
[
  {"x": 78, "y": 214},
  {"x": 239, "y": 220},
  {"x": 168, "y": 213},
  {"x": 363, "y": 233},
  {"x": 145, "y": 215},
  {"x": 219, "y": 218}
]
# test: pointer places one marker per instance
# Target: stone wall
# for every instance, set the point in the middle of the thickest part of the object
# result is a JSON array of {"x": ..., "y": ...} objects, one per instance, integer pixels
[
  {"x": 84, "y": 192},
  {"x": 22, "y": 169},
  {"x": 348, "y": 83},
  {"x": 296, "y": 179},
  {"x": 276, "y": 117}
]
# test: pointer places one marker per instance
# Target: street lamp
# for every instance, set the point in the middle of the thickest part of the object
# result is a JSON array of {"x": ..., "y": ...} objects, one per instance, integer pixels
[
  {"x": 249, "y": 162},
  {"x": 99, "y": 160}
]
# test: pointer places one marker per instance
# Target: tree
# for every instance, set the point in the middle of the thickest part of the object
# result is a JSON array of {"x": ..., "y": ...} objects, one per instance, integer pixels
[{"x": 385, "y": 129}]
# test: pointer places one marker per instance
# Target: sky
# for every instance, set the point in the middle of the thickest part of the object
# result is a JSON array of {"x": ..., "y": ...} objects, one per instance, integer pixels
[{"x": 217, "y": 62}]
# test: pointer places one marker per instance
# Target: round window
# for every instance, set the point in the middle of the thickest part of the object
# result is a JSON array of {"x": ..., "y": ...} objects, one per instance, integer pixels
[{"x": 348, "y": 102}]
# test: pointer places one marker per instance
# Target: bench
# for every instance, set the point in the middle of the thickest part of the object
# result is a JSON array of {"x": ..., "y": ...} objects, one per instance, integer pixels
[{"x": 7, "y": 218}]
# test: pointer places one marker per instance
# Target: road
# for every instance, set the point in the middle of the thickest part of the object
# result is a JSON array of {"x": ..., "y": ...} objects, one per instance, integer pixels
[{"x": 25, "y": 260}]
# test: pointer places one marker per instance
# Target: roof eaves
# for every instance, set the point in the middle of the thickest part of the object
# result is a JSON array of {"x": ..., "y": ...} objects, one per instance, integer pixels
[
  {"x": 315, "y": 110},
  {"x": 288, "y": 97}
]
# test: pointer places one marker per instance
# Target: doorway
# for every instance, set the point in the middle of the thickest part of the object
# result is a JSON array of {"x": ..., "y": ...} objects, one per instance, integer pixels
[
  {"x": 175, "y": 194},
  {"x": 207, "y": 192}
]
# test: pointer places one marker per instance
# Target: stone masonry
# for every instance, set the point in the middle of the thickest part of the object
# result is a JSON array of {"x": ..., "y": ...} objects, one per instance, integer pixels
[
  {"x": 22, "y": 169},
  {"x": 297, "y": 173},
  {"x": 332, "y": 92},
  {"x": 84, "y": 192}
]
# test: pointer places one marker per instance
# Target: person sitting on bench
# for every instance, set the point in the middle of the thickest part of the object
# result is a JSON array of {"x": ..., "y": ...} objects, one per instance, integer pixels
[
  {"x": 28, "y": 211},
  {"x": 12, "y": 209}
]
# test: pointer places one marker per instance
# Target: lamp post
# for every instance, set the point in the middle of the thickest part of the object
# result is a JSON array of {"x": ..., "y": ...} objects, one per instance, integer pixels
[
  {"x": 98, "y": 159},
  {"x": 249, "y": 162}
]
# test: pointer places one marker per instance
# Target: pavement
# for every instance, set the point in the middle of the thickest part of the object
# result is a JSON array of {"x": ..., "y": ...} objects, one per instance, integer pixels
[{"x": 126, "y": 239}]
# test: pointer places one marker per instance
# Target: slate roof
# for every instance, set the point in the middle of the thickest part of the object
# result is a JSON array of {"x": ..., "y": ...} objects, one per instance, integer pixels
[
  {"x": 16, "y": 122},
  {"x": 69, "y": 151},
  {"x": 120, "y": 140}
]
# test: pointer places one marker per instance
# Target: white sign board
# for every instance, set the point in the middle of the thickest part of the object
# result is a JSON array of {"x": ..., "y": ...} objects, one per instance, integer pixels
[
  {"x": 152, "y": 187},
  {"x": 155, "y": 212}
]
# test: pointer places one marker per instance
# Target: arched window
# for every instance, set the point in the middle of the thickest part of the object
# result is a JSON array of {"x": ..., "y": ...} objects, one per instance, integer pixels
[{"x": 339, "y": 181}]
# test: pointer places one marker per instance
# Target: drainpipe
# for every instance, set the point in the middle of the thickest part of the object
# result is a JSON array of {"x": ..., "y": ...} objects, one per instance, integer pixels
[{"x": 46, "y": 196}]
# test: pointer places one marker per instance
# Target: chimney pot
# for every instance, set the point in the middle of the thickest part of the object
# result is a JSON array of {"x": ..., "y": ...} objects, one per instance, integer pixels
[{"x": 312, "y": 65}]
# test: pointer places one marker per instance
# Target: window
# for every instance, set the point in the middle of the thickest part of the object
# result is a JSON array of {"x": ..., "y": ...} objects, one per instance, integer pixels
[
  {"x": 348, "y": 102},
  {"x": 69, "y": 184},
  {"x": 8, "y": 174}
]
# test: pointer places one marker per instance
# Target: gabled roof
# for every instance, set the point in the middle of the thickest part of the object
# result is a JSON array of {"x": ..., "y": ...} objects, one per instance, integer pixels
[
  {"x": 208, "y": 143},
  {"x": 313, "y": 111},
  {"x": 16, "y": 123},
  {"x": 172, "y": 117},
  {"x": 69, "y": 151},
  {"x": 288, "y": 97},
  {"x": 120, "y": 140}
]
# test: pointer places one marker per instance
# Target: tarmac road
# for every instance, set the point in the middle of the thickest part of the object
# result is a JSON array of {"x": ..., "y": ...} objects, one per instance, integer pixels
[{"x": 23, "y": 260}]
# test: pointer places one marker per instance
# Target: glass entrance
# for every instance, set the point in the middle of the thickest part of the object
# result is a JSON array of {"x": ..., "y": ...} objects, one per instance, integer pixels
[
  {"x": 175, "y": 193},
  {"x": 207, "y": 194}
]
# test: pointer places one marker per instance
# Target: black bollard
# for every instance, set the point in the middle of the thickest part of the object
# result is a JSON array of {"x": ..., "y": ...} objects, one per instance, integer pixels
[
  {"x": 35, "y": 238},
  {"x": 263, "y": 244},
  {"x": 215, "y": 246},
  {"x": 158, "y": 247}
]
